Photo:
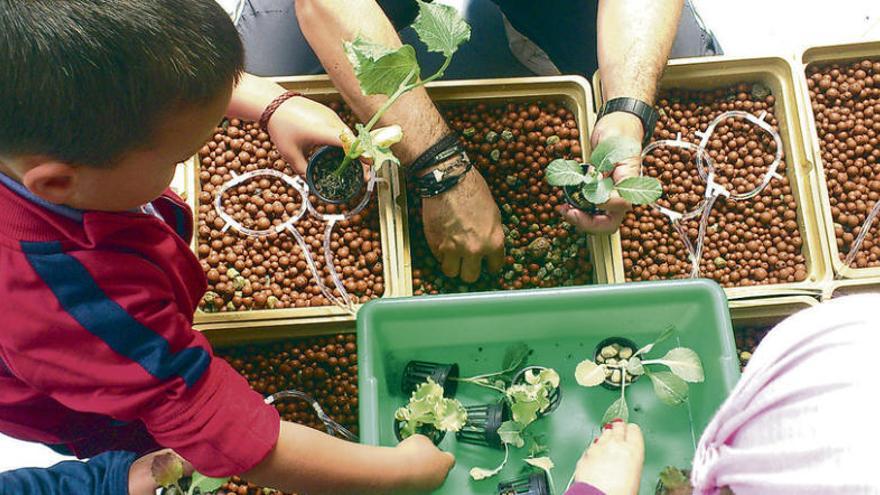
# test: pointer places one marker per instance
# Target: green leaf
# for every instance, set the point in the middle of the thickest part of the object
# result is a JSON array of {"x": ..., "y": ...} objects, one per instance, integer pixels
[
  {"x": 525, "y": 412},
  {"x": 634, "y": 366},
  {"x": 441, "y": 28},
  {"x": 598, "y": 192},
  {"x": 617, "y": 409},
  {"x": 544, "y": 463},
  {"x": 614, "y": 150},
  {"x": 511, "y": 433},
  {"x": 547, "y": 377},
  {"x": 482, "y": 473},
  {"x": 537, "y": 445},
  {"x": 672, "y": 478},
  {"x": 379, "y": 151},
  {"x": 428, "y": 390},
  {"x": 563, "y": 172},
  {"x": 515, "y": 356},
  {"x": 205, "y": 484},
  {"x": 379, "y": 70},
  {"x": 664, "y": 335},
  {"x": 589, "y": 374},
  {"x": 640, "y": 190},
  {"x": 669, "y": 388},
  {"x": 167, "y": 469},
  {"x": 685, "y": 363},
  {"x": 450, "y": 415}
]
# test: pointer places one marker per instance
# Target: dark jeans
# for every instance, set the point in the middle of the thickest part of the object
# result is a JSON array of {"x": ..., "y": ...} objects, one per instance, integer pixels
[{"x": 565, "y": 29}]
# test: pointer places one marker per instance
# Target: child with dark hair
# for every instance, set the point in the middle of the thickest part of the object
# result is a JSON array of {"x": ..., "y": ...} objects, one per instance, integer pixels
[{"x": 99, "y": 100}]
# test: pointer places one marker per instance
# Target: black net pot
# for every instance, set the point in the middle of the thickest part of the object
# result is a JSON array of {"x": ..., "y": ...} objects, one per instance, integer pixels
[
  {"x": 324, "y": 162},
  {"x": 573, "y": 198},
  {"x": 483, "y": 423},
  {"x": 429, "y": 431},
  {"x": 417, "y": 372},
  {"x": 530, "y": 484},
  {"x": 555, "y": 396},
  {"x": 622, "y": 341}
]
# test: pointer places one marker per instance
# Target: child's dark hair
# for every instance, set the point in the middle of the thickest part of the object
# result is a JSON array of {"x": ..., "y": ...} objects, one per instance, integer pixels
[{"x": 84, "y": 81}]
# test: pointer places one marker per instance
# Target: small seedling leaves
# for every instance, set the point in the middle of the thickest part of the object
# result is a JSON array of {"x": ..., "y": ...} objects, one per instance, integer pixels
[
  {"x": 515, "y": 356},
  {"x": 685, "y": 363},
  {"x": 664, "y": 335},
  {"x": 598, "y": 192},
  {"x": 205, "y": 484},
  {"x": 511, "y": 433},
  {"x": 428, "y": 390},
  {"x": 537, "y": 445},
  {"x": 672, "y": 478},
  {"x": 450, "y": 415},
  {"x": 525, "y": 412},
  {"x": 617, "y": 409},
  {"x": 167, "y": 469},
  {"x": 634, "y": 366},
  {"x": 441, "y": 28},
  {"x": 640, "y": 190},
  {"x": 589, "y": 374},
  {"x": 669, "y": 388},
  {"x": 563, "y": 172},
  {"x": 614, "y": 150},
  {"x": 482, "y": 473},
  {"x": 547, "y": 377},
  {"x": 379, "y": 70},
  {"x": 544, "y": 463}
]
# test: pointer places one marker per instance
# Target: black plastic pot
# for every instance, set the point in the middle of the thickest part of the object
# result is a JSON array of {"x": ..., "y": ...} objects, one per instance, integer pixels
[
  {"x": 623, "y": 341},
  {"x": 483, "y": 423},
  {"x": 531, "y": 484},
  {"x": 434, "y": 434},
  {"x": 572, "y": 195},
  {"x": 324, "y": 163},
  {"x": 555, "y": 396},
  {"x": 417, "y": 372}
]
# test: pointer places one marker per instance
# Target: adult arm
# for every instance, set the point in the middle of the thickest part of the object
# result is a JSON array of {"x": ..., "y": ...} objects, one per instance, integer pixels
[
  {"x": 635, "y": 38},
  {"x": 462, "y": 226}
]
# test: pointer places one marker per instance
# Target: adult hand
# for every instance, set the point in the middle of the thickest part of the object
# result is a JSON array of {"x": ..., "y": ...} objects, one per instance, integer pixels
[
  {"x": 617, "y": 124},
  {"x": 463, "y": 226},
  {"x": 300, "y": 124},
  {"x": 426, "y": 465}
]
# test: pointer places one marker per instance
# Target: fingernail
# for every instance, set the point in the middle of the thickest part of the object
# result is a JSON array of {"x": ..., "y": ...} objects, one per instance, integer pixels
[
  {"x": 596, "y": 440},
  {"x": 617, "y": 420},
  {"x": 607, "y": 426}
]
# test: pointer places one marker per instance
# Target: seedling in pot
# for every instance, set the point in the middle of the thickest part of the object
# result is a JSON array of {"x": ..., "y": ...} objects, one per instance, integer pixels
[
  {"x": 167, "y": 472},
  {"x": 514, "y": 359},
  {"x": 534, "y": 483},
  {"x": 671, "y": 387},
  {"x": 483, "y": 423},
  {"x": 611, "y": 352},
  {"x": 391, "y": 72},
  {"x": 418, "y": 372},
  {"x": 587, "y": 185},
  {"x": 430, "y": 413}
]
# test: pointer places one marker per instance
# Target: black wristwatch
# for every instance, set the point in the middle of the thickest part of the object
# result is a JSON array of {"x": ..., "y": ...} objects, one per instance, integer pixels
[{"x": 645, "y": 112}]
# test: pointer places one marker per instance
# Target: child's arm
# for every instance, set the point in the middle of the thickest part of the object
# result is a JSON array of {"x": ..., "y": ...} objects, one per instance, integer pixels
[
  {"x": 308, "y": 461},
  {"x": 106, "y": 474}
]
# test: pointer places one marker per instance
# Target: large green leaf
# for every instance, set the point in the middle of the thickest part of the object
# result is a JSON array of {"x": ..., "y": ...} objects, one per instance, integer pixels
[
  {"x": 563, "y": 172},
  {"x": 525, "y": 412},
  {"x": 671, "y": 389},
  {"x": 515, "y": 356},
  {"x": 450, "y": 415},
  {"x": 441, "y": 28},
  {"x": 640, "y": 190},
  {"x": 379, "y": 70},
  {"x": 614, "y": 150},
  {"x": 685, "y": 363},
  {"x": 617, "y": 409},
  {"x": 598, "y": 192},
  {"x": 589, "y": 374},
  {"x": 511, "y": 433},
  {"x": 205, "y": 484}
]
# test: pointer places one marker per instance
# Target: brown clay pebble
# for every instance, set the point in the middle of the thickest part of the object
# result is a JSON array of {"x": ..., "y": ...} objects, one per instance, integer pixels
[
  {"x": 295, "y": 364},
  {"x": 846, "y": 106},
  {"x": 750, "y": 242},
  {"x": 270, "y": 272},
  {"x": 511, "y": 150}
]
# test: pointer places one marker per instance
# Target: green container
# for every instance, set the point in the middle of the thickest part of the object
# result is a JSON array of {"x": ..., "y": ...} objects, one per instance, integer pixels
[{"x": 562, "y": 327}]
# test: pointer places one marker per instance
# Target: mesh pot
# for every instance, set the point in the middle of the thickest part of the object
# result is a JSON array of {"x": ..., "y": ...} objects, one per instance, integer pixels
[
  {"x": 532, "y": 484},
  {"x": 573, "y": 198},
  {"x": 434, "y": 434},
  {"x": 622, "y": 341},
  {"x": 555, "y": 396},
  {"x": 417, "y": 372},
  {"x": 483, "y": 423},
  {"x": 324, "y": 162}
]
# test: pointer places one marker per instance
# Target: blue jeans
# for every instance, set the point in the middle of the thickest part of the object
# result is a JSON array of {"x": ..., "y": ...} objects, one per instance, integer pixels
[{"x": 565, "y": 29}]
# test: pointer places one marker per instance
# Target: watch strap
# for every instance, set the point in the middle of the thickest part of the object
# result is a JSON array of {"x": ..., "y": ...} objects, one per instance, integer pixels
[{"x": 645, "y": 112}]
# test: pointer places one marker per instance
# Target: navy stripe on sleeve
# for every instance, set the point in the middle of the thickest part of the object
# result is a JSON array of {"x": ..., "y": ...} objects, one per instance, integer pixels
[
  {"x": 179, "y": 221},
  {"x": 84, "y": 300}
]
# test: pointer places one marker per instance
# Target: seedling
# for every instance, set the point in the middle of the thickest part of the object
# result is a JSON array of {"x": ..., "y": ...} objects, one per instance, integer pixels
[
  {"x": 671, "y": 387},
  {"x": 391, "y": 72},
  {"x": 674, "y": 481},
  {"x": 535, "y": 483},
  {"x": 167, "y": 471},
  {"x": 417, "y": 372},
  {"x": 429, "y": 412},
  {"x": 591, "y": 184},
  {"x": 514, "y": 359}
]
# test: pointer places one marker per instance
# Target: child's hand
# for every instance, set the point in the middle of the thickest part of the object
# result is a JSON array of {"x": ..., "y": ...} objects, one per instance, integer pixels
[
  {"x": 426, "y": 465},
  {"x": 140, "y": 476},
  {"x": 300, "y": 124}
]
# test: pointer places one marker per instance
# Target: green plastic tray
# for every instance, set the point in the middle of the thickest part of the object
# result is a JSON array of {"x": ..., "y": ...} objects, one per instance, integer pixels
[{"x": 562, "y": 327}]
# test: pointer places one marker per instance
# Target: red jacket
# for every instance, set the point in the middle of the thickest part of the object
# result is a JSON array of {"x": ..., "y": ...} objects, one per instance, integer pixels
[{"x": 97, "y": 350}]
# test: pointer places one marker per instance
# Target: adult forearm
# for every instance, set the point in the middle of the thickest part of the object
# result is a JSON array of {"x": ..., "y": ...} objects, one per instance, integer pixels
[
  {"x": 635, "y": 38},
  {"x": 308, "y": 461},
  {"x": 326, "y": 24}
]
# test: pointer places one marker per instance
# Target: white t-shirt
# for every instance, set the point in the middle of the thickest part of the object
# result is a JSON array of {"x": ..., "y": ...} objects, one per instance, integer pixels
[{"x": 233, "y": 8}]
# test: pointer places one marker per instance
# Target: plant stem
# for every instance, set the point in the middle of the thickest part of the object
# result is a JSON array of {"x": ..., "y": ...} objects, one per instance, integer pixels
[{"x": 479, "y": 383}]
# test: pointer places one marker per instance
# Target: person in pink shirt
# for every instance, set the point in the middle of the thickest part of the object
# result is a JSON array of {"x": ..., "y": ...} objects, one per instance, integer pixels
[{"x": 801, "y": 420}]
